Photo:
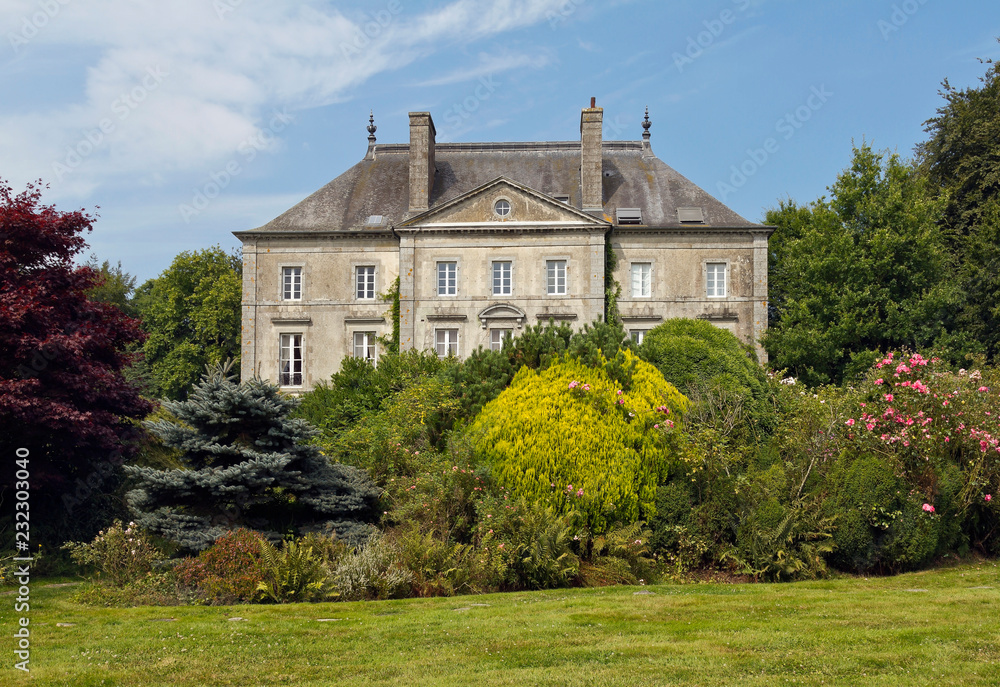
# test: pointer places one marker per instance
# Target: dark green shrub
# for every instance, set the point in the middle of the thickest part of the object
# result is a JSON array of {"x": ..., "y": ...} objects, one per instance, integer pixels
[
  {"x": 881, "y": 527},
  {"x": 359, "y": 388},
  {"x": 673, "y": 510},
  {"x": 711, "y": 365},
  {"x": 911, "y": 540}
]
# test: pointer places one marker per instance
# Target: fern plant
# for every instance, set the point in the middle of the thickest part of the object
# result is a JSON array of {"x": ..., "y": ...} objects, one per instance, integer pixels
[
  {"x": 795, "y": 547},
  {"x": 625, "y": 547},
  {"x": 293, "y": 573},
  {"x": 543, "y": 557}
]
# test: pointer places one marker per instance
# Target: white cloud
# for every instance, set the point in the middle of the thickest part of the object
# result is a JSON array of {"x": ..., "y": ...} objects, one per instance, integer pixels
[
  {"x": 488, "y": 64},
  {"x": 174, "y": 87}
]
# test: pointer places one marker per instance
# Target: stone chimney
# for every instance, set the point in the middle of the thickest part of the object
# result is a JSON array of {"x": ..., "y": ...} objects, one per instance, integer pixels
[
  {"x": 421, "y": 160},
  {"x": 591, "y": 123}
]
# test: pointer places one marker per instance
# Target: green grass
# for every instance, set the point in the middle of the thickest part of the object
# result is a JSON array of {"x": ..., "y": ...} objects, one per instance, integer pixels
[{"x": 939, "y": 627}]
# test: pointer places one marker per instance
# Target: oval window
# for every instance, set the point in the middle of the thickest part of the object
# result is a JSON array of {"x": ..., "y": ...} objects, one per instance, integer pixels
[{"x": 502, "y": 208}]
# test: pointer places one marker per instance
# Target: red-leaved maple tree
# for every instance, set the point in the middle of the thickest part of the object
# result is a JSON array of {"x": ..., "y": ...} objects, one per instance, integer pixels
[{"x": 65, "y": 405}]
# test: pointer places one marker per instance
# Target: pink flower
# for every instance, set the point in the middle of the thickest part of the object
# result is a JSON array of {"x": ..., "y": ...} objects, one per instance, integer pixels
[
  {"x": 656, "y": 426},
  {"x": 984, "y": 388},
  {"x": 928, "y": 508},
  {"x": 850, "y": 422},
  {"x": 586, "y": 387},
  {"x": 619, "y": 392},
  {"x": 888, "y": 397},
  {"x": 988, "y": 498},
  {"x": 574, "y": 384},
  {"x": 579, "y": 493},
  {"x": 879, "y": 381}
]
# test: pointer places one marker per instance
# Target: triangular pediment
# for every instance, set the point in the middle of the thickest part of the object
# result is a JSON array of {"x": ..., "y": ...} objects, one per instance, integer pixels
[{"x": 504, "y": 202}]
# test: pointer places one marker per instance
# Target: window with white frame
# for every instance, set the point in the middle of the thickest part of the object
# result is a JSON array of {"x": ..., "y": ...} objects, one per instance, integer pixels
[
  {"x": 447, "y": 278},
  {"x": 555, "y": 277},
  {"x": 364, "y": 346},
  {"x": 446, "y": 342},
  {"x": 502, "y": 284},
  {"x": 715, "y": 279},
  {"x": 637, "y": 335},
  {"x": 365, "y": 281},
  {"x": 291, "y": 283},
  {"x": 642, "y": 279},
  {"x": 497, "y": 337},
  {"x": 290, "y": 360}
]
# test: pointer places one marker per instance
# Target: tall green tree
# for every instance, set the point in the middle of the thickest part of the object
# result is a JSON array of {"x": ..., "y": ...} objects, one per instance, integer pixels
[
  {"x": 114, "y": 285},
  {"x": 961, "y": 158},
  {"x": 245, "y": 463},
  {"x": 192, "y": 315},
  {"x": 866, "y": 270}
]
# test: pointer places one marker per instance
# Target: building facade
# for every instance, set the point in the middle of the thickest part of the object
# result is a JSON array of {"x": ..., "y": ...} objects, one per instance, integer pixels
[{"x": 486, "y": 238}]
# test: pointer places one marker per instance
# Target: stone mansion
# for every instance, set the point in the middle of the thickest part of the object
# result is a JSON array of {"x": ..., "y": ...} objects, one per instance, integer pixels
[{"x": 487, "y": 238}]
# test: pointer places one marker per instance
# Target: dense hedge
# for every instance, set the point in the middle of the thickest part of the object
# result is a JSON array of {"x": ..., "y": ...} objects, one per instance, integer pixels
[{"x": 706, "y": 362}]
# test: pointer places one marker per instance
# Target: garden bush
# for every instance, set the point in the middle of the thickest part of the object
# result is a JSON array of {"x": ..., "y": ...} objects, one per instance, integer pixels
[
  {"x": 526, "y": 544},
  {"x": 229, "y": 571},
  {"x": 710, "y": 365},
  {"x": 374, "y": 571},
  {"x": 439, "y": 567},
  {"x": 121, "y": 554},
  {"x": 569, "y": 437},
  {"x": 882, "y": 526},
  {"x": 396, "y": 440}
]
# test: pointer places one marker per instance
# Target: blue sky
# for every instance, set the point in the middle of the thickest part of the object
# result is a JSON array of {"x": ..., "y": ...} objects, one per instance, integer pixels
[{"x": 146, "y": 109}]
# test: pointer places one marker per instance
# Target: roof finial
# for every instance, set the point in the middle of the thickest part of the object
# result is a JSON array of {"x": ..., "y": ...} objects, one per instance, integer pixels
[
  {"x": 645, "y": 126},
  {"x": 371, "y": 126}
]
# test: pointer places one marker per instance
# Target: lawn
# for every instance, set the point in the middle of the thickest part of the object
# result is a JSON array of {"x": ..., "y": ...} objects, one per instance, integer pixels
[{"x": 939, "y": 627}]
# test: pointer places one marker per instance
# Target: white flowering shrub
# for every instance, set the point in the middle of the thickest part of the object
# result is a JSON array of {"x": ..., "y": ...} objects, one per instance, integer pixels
[
  {"x": 372, "y": 572},
  {"x": 121, "y": 554}
]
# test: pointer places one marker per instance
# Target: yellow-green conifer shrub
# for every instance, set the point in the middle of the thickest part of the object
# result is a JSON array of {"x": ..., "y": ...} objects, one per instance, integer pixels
[{"x": 570, "y": 437}]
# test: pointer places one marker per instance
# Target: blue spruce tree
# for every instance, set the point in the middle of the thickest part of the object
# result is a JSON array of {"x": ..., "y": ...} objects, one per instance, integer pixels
[{"x": 246, "y": 463}]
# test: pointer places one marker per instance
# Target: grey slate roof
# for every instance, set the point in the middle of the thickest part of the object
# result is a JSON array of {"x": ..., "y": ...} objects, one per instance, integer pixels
[{"x": 378, "y": 185}]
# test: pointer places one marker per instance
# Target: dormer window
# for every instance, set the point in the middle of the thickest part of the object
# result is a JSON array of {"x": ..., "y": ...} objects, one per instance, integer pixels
[
  {"x": 690, "y": 216},
  {"x": 628, "y": 215}
]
